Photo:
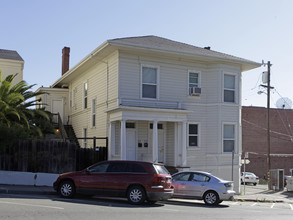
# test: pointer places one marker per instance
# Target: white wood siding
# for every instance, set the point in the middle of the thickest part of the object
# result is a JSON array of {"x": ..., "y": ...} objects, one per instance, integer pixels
[{"x": 102, "y": 80}]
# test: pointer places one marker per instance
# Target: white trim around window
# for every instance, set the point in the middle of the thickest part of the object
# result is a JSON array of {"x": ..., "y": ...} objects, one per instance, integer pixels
[
  {"x": 229, "y": 137},
  {"x": 230, "y": 87},
  {"x": 193, "y": 135},
  {"x": 148, "y": 82}
]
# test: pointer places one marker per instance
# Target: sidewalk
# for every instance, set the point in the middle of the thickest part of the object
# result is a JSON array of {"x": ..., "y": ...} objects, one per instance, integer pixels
[{"x": 259, "y": 193}]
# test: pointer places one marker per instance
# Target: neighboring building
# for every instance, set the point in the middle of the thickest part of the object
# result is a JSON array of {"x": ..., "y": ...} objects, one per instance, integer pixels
[
  {"x": 254, "y": 139},
  {"x": 10, "y": 64},
  {"x": 156, "y": 100}
]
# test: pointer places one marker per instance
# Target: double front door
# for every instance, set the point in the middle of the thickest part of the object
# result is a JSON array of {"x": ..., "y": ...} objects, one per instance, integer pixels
[{"x": 135, "y": 147}]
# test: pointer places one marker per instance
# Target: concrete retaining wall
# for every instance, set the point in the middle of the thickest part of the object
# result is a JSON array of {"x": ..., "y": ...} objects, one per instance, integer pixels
[{"x": 27, "y": 178}]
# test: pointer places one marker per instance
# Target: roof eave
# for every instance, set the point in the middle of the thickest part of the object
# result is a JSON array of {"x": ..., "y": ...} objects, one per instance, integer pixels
[{"x": 245, "y": 64}]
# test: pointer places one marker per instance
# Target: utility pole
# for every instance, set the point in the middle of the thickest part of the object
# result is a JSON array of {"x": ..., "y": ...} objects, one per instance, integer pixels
[
  {"x": 268, "y": 86},
  {"x": 268, "y": 121}
]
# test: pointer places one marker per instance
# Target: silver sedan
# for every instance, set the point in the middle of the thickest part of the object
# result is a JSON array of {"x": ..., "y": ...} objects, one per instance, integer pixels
[{"x": 202, "y": 186}]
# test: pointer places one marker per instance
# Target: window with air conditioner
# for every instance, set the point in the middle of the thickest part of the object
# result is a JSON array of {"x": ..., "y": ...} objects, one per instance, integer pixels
[{"x": 194, "y": 83}]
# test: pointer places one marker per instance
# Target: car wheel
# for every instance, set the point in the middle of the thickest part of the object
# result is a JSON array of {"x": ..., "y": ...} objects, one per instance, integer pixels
[
  {"x": 254, "y": 184},
  {"x": 136, "y": 195},
  {"x": 211, "y": 198},
  {"x": 67, "y": 189}
]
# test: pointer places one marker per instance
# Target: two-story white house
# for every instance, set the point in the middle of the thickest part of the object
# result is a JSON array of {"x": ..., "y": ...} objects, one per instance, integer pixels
[
  {"x": 11, "y": 63},
  {"x": 157, "y": 100}
]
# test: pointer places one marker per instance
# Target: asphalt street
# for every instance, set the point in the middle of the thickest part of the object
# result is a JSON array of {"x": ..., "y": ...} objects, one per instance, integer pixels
[{"x": 51, "y": 206}]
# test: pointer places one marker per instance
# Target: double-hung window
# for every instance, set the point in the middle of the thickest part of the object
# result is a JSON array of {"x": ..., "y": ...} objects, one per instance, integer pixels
[
  {"x": 149, "y": 82},
  {"x": 228, "y": 138},
  {"x": 193, "y": 79},
  {"x": 85, "y": 94},
  {"x": 93, "y": 112},
  {"x": 193, "y": 137},
  {"x": 229, "y": 88}
]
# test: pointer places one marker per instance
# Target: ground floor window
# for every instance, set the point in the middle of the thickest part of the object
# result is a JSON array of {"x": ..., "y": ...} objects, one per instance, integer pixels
[{"x": 193, "y": 137}]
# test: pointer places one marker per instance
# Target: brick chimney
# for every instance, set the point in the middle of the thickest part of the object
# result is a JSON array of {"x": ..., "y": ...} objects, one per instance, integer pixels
[{"x": 65, "y": 59}]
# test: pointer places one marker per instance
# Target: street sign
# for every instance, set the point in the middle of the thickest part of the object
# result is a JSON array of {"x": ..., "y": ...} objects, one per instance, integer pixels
[{"x": 245, "y": 162}]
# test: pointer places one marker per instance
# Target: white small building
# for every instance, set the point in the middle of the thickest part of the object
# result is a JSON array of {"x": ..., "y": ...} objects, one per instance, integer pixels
[
  {"x": 157, "y": 100},
  {"x": 11, "y": 63}
]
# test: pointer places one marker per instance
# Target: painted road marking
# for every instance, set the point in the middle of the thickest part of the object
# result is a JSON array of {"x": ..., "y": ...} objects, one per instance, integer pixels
[
  {"x": 253, "y": 204},
  {"x": 272, "y": 206},
  {"x": 291, "y": 206},
  {"x": 25, "y": 204}
]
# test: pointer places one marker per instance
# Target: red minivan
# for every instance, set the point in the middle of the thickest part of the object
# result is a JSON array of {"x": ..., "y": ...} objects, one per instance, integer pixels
[{"x": 135, "y": 180}]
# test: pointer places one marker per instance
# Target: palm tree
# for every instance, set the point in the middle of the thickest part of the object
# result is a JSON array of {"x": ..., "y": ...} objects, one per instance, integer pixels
[{"x": 16, "y": 108}]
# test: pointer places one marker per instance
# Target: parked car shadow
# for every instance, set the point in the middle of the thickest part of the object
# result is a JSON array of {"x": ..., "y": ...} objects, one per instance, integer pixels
[{"x": 192, "y": 203}]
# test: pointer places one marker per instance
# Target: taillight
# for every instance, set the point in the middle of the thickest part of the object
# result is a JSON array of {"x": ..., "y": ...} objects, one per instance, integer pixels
[
  {"x": 246, "y": 177},
  {"x": 158, "y": 179}
]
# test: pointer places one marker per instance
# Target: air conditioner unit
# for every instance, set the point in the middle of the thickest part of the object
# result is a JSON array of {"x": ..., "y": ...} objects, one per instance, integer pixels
[{"x": 194, "y": 91}]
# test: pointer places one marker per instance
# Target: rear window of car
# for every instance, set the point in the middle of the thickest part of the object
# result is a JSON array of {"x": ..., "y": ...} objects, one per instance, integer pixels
[{"x": 161, "y": 169}]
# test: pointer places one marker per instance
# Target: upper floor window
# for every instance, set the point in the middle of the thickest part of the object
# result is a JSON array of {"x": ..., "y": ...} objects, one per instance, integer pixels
[
  {"x": 93, "y": 112},
  {"x": 229, "y": 88},
  {"x": 149, "y": 82},
  {"x": 193, "y": 79},
  {"x": 229, "y": 138},
  {"x": 193, "y": 135},
  {"x": 85, "y": 94}
]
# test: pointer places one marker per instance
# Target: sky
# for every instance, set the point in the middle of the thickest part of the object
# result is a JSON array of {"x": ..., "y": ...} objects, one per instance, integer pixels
[{"x": 252, "y": 29}]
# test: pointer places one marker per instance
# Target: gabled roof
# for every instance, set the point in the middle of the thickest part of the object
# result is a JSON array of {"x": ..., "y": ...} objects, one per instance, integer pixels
[
  {"x": 10, "y": 55},
  {"x": 163, "y": 44}
]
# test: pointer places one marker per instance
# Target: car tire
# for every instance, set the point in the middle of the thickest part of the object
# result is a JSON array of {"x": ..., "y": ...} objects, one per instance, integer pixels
[
  {"x": 136, "y": 195},
  {"x": 254, "y": 184},
  {"x": 211, "y": 198},
  {"x": 67, "y": 189}
]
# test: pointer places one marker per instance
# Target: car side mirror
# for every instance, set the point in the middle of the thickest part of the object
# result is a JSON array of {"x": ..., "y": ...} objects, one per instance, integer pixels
[{"x": 87, "y": 171}]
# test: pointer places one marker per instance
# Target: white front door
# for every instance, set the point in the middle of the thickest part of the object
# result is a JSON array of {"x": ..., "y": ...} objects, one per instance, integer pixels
[
  {"x": 57, "y": 107},
  {"x": 130, "y": 144}
]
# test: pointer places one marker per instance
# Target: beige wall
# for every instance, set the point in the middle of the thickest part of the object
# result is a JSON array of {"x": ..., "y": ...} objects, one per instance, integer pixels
[{"x": 8, "y": 67}]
